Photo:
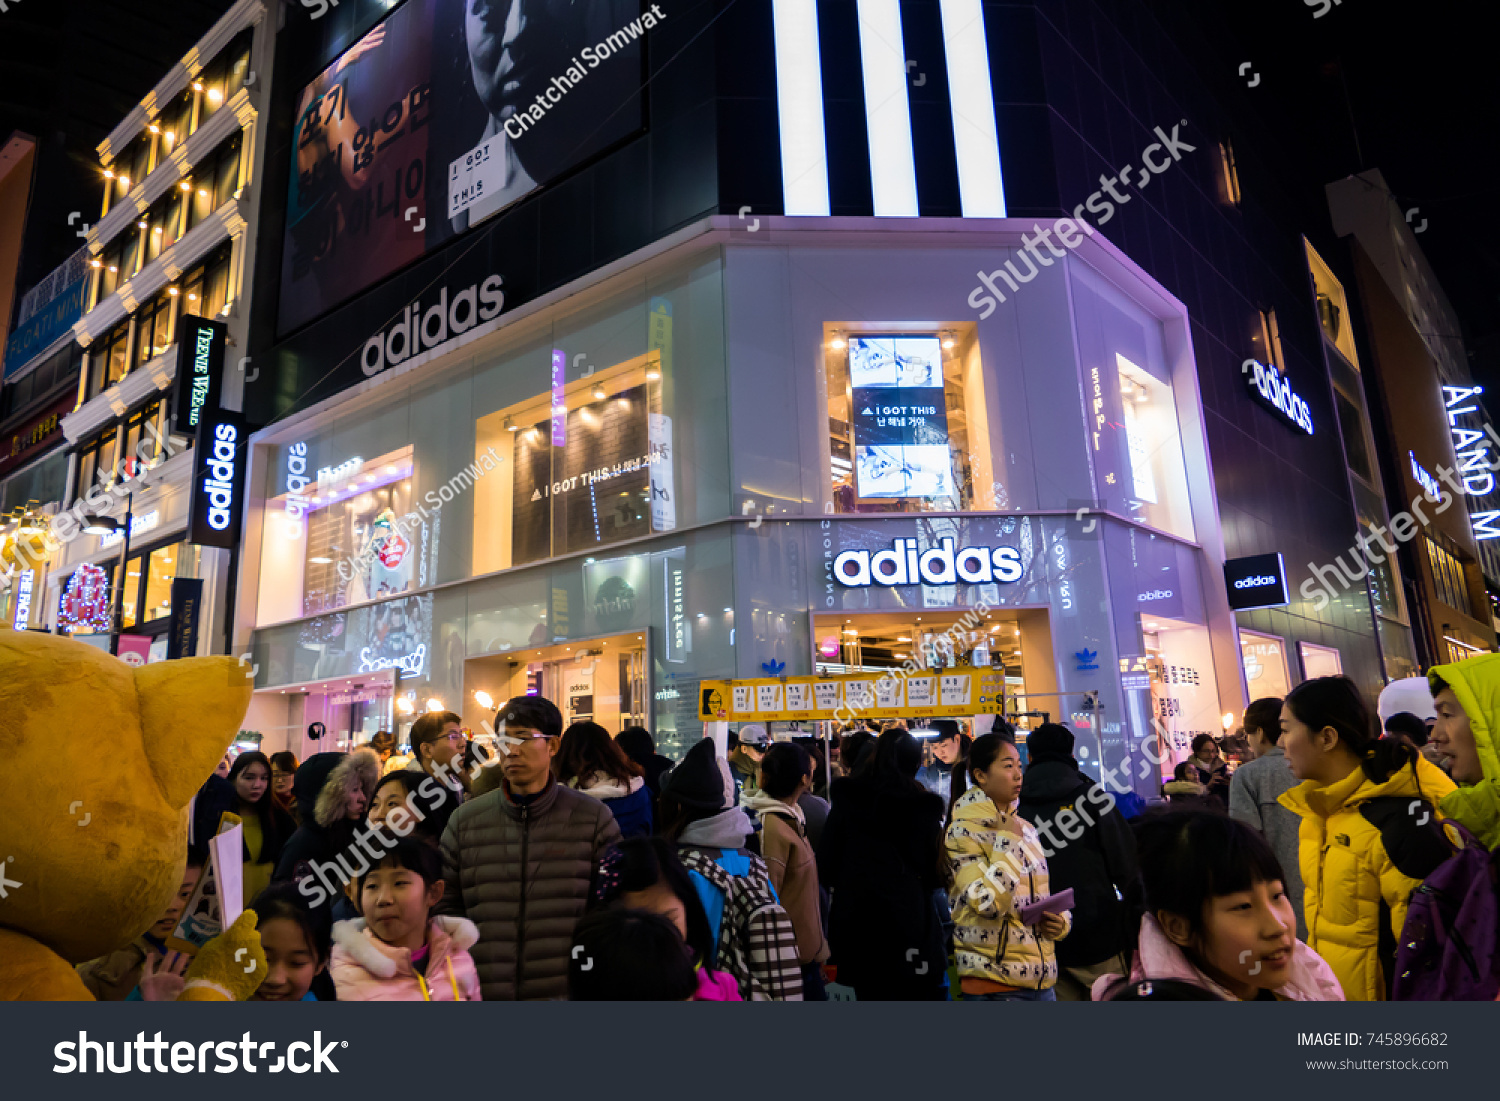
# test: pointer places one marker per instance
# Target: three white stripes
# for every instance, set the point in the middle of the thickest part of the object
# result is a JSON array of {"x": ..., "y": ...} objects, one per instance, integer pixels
[{"x": 799, "y": 86}]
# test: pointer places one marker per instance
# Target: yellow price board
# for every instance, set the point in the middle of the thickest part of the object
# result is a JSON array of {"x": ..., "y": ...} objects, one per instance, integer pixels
[{"x": 891, "y": 694}]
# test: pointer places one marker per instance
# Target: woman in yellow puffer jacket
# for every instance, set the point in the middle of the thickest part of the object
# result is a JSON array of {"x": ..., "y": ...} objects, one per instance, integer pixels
[
  {"x": 999, "y": 865},
  {"x": 1369, "y": 832}
]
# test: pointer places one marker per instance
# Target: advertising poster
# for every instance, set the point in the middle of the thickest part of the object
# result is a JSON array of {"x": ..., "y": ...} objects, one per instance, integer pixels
[
  {"x": 900, "y": 417},
  {"x": 441, "y": 116}
]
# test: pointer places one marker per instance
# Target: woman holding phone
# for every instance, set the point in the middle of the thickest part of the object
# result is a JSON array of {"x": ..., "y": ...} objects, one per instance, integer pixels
[{"x": 1004, "y": 926}]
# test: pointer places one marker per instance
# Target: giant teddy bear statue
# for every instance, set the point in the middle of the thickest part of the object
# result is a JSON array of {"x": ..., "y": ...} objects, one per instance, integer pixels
[{"x": 102, "y": 760}]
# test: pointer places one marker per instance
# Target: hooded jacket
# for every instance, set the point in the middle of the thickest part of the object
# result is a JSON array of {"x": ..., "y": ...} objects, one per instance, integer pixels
[
  {"x": 368, "y": 970},
  {"x": 522, "y": 872},
  {"x": 1254, "y": 791},
  {"x": 629, "y": 803},
  {"x": 1364, "y": 847},
  {"x": 1089, "y": 848},
  {"x": 794, "y": 872},
  {"x": 1156, "y": 957},
  {"x": 324, "y": 787},
  {"x": 1476, "y": 683},
  {"x": 999, "y": 866}
]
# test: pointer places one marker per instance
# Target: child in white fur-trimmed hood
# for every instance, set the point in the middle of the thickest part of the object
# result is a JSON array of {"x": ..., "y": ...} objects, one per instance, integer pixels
[{"x": 399, "y": 952}]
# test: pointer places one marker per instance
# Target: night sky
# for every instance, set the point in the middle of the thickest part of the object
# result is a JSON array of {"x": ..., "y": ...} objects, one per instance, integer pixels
[{"x": 1408, "y": 89}]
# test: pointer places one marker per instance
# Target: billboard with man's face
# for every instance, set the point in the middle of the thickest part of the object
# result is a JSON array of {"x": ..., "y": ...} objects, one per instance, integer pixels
[{"x": 446, "y": 113}]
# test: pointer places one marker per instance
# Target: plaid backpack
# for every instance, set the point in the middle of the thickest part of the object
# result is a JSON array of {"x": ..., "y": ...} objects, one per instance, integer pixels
[{"x": 756, "y": 942}]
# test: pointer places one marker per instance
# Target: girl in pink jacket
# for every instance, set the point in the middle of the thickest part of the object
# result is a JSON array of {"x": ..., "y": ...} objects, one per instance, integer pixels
[{"x": 399, "y": 952}]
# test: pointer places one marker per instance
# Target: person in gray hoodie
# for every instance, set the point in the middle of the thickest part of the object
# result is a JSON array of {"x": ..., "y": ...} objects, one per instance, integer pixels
[
  {"x": 756, "y": 941},
  {"x": 1253, "y": 792}
]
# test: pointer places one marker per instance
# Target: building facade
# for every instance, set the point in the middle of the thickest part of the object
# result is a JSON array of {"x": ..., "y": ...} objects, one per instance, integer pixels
[
  {"x": 790, "y": 366},
  {"x": 168, "y": 259}
]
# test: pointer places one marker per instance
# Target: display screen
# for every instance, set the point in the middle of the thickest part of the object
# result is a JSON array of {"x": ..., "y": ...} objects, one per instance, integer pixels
[
  {"x": 900, "y": 417},
  {"x": 443, "y": 115}
]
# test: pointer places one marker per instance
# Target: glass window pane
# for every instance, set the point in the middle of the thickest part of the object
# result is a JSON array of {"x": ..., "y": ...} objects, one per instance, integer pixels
[
  {"x": 132, "y": 590},
  {"x": 160, "y": 572}
]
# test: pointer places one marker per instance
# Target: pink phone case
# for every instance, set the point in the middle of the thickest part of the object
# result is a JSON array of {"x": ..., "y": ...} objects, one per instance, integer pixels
[{"x": 1052, "y": 904}]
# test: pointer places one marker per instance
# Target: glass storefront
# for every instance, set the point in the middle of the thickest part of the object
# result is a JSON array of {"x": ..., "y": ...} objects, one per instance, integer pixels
[{"x": 563, "y": 507}]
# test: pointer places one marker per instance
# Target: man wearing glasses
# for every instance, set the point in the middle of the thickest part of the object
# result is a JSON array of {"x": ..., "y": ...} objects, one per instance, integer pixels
[
  {"x": 518, "y": 861},
  {"x": 437, "y": 746}
]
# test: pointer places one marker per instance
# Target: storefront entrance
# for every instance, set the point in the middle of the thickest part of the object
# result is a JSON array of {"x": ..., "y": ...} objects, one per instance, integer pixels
[
  {"x": 1017, "y": 641},
  {"x": 601, "y": 680}
]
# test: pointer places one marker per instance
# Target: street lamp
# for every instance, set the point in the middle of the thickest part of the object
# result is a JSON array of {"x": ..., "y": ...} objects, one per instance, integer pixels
[{"x": 108, "y": 525}]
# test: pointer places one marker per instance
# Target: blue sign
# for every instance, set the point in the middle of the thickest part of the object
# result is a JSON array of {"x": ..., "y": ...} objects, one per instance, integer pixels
[
  {"x": 43, "y": 328},
  {"x": 1087, "y": 659}
]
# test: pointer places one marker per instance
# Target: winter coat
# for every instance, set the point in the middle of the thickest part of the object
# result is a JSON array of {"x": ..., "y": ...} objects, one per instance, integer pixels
[
  {"x": 324, "y": 786},
  {"x": 451, "y": 798},
  {"x": 937, "y": 778},
  {"x": 1254, "y": 791},
  {"x": 756, "y": 943},
  {"x": 1088, "y": 848},
  {"x": 368, "y": 970},
  {"x": 794, "y": 872},
  {"x": 1364, "y": 849},
  {"x": 521, "y": 872},
  {"x": 1476, "y": 683},
  {"x": 814, "y": 817},
  {"x": 1156, "y": 957},
  {"x": 629, "y": 803},
  {"x": 656, "y": 767},
  {"x": 881, "y": 857},
  {"x": 998, "y": 866}
]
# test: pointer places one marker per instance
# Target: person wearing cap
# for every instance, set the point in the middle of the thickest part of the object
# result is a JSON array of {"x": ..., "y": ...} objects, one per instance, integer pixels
[
  {"x": 1466, "y": 696},
  {"x": 757, "y": 942},
  {"x": 947, "y": 749},
  {"x": 1088, "y": 848},
  {"x": 745, "y": 752},
  {"x": 519, "y": 861}
]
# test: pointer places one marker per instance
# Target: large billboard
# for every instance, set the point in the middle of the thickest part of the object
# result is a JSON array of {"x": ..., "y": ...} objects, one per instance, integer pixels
[
  {"x": 446, "y": 113},
  {"x": 900, "y": 417}
]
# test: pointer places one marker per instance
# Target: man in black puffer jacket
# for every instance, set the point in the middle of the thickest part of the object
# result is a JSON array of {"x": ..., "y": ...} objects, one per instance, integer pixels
[
  {"x": 519, "y": 862},
  {"x": 1089, "y": 848}
]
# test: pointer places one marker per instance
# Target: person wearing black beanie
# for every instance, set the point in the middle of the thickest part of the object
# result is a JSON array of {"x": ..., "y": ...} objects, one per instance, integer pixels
[
  {"x": 1089, "y": 848},
  {"x": 699, "y": 814}
]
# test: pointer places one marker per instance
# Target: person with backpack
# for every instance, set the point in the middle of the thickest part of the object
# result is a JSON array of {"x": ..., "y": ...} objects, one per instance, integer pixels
[
  {"x": 882, "y": 858},
  {"x": 1369, "y": 834},
  {"x": 756, "y": 941},
  {"x": 1089, "y": 848}
]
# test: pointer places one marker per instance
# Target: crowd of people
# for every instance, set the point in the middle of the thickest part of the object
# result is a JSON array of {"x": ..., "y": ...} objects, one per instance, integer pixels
[{"x": 576, "y": 864}]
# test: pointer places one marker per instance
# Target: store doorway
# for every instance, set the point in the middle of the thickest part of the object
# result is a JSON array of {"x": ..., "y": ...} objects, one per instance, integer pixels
[
  {"x": 602, "y": 680},
  {"x": 1017, "y": 642}
]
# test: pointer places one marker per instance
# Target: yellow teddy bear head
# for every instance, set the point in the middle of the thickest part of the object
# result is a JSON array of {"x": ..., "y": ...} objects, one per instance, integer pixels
[{"x": 102, "y": 761}]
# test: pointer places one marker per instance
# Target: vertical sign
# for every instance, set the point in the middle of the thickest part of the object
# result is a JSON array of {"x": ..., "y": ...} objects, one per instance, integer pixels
[
  {"x": 23, "y": 599},
  {"x": 659, "y": 425},
  {"x": 200, "y": 368},
  {"x": 559, "y": 398},
  {"x": 182, "y": 628},
  {"x": 678, "y": 641},
  {"x": 217, "y": 491}
]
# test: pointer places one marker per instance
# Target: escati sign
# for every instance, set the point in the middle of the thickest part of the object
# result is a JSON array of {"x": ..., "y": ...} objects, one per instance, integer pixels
[{"x": 906, "y": 564}]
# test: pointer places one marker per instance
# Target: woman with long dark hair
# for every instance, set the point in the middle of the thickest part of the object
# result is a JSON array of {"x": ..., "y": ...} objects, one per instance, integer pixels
[
  {"x": 881, "y": 856},
  {"x": 589, "y": 761},
  {"x": 1369, "y": 832},
  {"x": 266, "y": 826}
]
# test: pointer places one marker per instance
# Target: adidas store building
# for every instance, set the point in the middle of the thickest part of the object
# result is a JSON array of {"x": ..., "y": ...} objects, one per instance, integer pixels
[{"x": 611, "y": 439}]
